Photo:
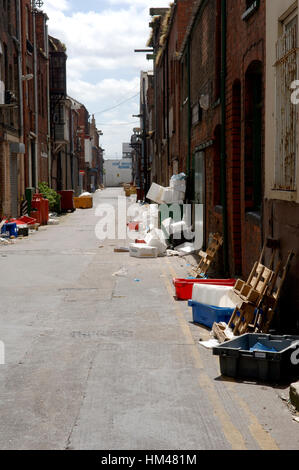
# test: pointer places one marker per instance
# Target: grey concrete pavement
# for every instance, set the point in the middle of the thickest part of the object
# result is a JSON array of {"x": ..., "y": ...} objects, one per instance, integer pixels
[{"x": 96, "y": 361}]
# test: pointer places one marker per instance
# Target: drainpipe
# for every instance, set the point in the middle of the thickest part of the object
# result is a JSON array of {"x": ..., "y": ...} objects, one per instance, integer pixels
[
  {"x": 20, "y": 68},
  {"x": 189, "y": 119},
  {"x": 223, "y": 135},
  {"x": 35, "y": 94},
  {"x": 167, "y": 108},
  {"x": 20, "y": 84},
  {"x": 48, "y": 107}
]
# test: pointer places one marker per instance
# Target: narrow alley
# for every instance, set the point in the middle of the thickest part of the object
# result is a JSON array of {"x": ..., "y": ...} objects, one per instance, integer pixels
[{"x": 98, "y": 361}]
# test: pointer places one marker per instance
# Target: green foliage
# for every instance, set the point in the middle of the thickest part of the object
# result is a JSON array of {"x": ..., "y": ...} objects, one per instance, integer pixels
[{"x": 52, "y": 196}]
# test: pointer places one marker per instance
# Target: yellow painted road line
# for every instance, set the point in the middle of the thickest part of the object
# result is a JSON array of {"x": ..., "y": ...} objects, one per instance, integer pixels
[
  {"x": 232, "y": 434},
  {"x": 262, "y": 437}
]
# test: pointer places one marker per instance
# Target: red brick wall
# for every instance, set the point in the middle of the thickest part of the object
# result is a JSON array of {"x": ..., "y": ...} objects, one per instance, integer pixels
[
  {"x": 28, "y": 86},
  {"x": 9, "y": 118},
  {"x": 245, "y": 44},
  {"x": 43, "y": 147},
  {"x": 177, "y": 33},
  {"x": 202, "y": 68}
]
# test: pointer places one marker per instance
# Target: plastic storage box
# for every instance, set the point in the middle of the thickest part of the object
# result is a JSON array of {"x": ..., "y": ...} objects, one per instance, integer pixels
[
  {"x": 143, "y": 251},
  {"x": 155, "y": 193},
  {"x": 207, "y": 315},
  {"x": 10, "y": 229},
  {"x": 252, "y": 356},
  {"x": 213, "y": 295},
  {"x": 83, "y": 202},
  {"x": 184, "y": 287}
]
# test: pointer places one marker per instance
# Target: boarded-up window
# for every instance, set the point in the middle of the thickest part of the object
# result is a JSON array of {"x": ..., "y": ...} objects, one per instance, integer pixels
[{"x": 286, "y": 111}]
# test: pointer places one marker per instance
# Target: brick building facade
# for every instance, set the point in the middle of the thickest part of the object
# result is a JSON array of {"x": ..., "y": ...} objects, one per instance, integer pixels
[
  {"x": 200, "y": 112},
  {"x": 168, "y": 32},
  {"x": 209, "y": 98},
  {"x": 11, "y": 148},
  {"x": 38, "y": 123},
  {"x": 245, "y": 129}
]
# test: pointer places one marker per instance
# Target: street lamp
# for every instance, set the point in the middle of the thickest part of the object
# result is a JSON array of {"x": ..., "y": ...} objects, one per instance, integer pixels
[{"x": 37, "y": 3}]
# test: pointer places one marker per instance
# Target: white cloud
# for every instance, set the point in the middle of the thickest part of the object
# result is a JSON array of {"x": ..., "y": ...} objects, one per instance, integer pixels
[
  {"x": 53, "y": 5},
  {"x": 103, "y": 69}
]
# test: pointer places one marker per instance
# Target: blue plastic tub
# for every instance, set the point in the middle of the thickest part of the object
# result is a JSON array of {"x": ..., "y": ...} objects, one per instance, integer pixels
[
  {"x": 207, "y": 315},
  {"x": 10, "y": 230}
]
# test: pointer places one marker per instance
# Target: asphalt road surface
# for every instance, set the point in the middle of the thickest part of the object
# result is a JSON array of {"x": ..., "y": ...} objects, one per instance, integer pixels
[{"x": 97, "y": 361}]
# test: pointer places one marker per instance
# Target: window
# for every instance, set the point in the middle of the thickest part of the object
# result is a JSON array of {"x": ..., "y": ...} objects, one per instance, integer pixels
[
  {"x": 251, "y": 7},
  {"x": 196, "y": 114},
  {"x": 286, "y": 111}
]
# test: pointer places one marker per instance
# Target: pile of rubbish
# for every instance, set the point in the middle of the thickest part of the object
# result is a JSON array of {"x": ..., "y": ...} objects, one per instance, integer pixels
[
  {"x": 157, "y": 237},
  {"x": 239, "y": 315},
  {"x": 10, "y": 229}
]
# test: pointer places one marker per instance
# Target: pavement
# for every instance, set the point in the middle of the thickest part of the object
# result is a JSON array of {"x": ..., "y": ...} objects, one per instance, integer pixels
[{"x": 98, "y": 361}]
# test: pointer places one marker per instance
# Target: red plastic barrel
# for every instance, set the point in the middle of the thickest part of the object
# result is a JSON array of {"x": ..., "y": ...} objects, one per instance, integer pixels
[
  {"x": 37, "y": 204},
  {"x": 45, "y": 205},
  {"x": 42, "y": 209},
  {"x": 184, "y": 287},
  {"x": 67, "y": 200}
]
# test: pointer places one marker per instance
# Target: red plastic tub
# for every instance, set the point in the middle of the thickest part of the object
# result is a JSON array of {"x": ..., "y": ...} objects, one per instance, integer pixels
[
  {"x": 24, "y": 220},
  {"x": 184, "y": 287},
  {"x": 133, "y": 226}
]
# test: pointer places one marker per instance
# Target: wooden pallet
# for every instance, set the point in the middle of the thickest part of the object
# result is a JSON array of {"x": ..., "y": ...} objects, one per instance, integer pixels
[
  {"x": 256, "y": 299},
  {"x": 206, "y": 258},
  {"x": 248, "y": 297},
  {"x": 255, "y": 287},
  {"x": 270, "y": 302},
  {"x": 242, "y": 318}
]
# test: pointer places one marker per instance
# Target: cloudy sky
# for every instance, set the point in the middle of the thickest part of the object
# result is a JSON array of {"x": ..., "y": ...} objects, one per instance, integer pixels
[{"x": 103, "y": 70}]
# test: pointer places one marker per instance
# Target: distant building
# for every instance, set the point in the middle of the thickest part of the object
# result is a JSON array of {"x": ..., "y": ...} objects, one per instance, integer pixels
[
  {"x": 127, "y": 150},
  {"x": 117, "y": 172}
]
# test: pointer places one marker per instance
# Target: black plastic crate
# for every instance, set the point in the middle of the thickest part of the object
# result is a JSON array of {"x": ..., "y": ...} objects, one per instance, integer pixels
[{"x": 239, "y": 361}]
